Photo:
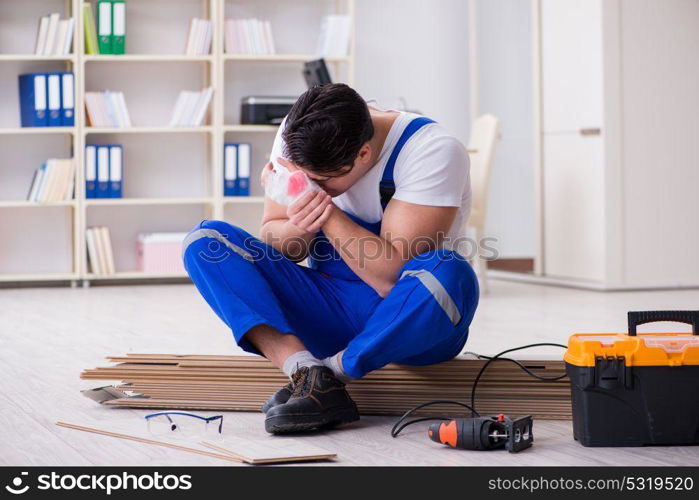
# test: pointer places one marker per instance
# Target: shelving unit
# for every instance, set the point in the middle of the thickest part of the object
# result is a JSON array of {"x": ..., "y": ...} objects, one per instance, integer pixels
[
  {"x": 280, "y": 58},
  {"x": 244, "y": 199},
  {"x": 34, "y": 57},
  {"x": 36, "y": 130},
  {"x": 146, "y": 58},
  {"x": 249, "y": 128},
  {"x": 126, "y": 275},
  {"x": 146, "y": 130},
  {"x": 147, "y": 201},
  {"x": 31, "y": 204},
  {"x": 192, "y": 156}
]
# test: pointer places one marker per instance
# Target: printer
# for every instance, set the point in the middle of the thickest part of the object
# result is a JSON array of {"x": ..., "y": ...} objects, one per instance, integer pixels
[
  {"x": 265, "y": 110},
  {"x": 271, "y": 110}
]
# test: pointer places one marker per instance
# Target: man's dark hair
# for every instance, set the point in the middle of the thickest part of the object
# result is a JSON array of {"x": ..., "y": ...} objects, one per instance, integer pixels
[{"x": 326, "y": 128}]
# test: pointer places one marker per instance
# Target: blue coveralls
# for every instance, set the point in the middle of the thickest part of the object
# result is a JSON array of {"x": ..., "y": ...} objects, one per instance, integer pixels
[{"x": 423, "y": 320}]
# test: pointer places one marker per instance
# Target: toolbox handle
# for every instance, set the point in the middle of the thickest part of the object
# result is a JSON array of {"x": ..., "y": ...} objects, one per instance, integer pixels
[{"x": 642, "y": 317}]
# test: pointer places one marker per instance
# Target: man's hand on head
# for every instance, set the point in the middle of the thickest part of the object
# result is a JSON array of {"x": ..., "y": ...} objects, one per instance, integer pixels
[{"x": 310, "y": 212}]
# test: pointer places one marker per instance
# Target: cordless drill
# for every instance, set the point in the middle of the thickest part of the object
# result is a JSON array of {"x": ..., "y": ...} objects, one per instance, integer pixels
[{"x": 484, "y": 433}]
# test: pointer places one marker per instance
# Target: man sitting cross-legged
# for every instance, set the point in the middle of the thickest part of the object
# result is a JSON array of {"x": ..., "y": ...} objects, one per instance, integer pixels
[{"x": 384, "y": 282}]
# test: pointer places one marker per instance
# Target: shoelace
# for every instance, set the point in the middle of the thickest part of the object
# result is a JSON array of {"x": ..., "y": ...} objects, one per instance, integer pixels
[{"x": 301, "y": 380}]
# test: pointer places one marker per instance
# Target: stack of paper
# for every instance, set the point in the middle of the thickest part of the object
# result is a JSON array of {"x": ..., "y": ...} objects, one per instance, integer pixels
[
  {"x": 54, "y": 181},
  {"x": 107, "y": 109},
  {"x": 249, "y": 36},
  {"x": 99, "y": 251},
  {"x": 190, "y": 108},
  {"x": 335, "y": 34},
  {"x": 199, "y": 37},
  {"x": 54, "y": 36}
]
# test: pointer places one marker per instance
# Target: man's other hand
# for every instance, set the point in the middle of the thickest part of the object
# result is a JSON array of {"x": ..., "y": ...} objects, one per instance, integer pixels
[
  {"x": 265, "y": 174},
  {"x": 310, "y": 212}
]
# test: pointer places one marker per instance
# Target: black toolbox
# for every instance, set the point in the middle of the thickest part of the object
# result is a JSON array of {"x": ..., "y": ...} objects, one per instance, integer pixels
[{"x": 636, "y": 389}]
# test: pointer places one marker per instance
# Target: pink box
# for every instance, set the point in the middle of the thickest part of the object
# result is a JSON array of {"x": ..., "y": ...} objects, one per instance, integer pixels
[{"x": 160, "y": 253}]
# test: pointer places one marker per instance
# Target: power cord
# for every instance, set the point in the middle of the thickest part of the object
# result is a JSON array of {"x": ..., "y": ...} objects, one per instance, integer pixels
[
  {"x": 401, "y": 424},
  {"x": 498, "y": 357}
]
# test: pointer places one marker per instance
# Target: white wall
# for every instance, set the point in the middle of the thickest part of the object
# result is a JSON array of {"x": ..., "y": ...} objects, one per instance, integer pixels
[
  {"x": 417, "y": 50},
  {"x": 504, "y": 48},
  {"x": 660, "y": 147}
]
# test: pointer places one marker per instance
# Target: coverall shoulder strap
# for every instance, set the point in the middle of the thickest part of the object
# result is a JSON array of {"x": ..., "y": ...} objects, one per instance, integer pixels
[{"x": 387, "y": 187}]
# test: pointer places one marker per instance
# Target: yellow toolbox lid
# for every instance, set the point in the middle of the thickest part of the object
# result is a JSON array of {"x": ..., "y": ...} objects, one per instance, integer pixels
[
  {"x": 647, "y": 349},
  {"x": 652, "y": 349}
]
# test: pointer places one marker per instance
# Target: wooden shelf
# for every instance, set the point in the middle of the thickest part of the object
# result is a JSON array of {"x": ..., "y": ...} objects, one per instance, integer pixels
[
  {"x": 147, "y": 130},
  {"x": 251, "y": 128},
  {"x": 115, "y": 202},
  {"x": 36, "y": 130},
  {"x": 34, "y": 204},
  {"x": 282, "y": 58},
  {"x": 39, "y": 277},
  {"x": 127, "y": 275},
  {"x": 34, "y": 57},
  {"x": 243, "y": 199},
  {"x": 147, "y": 58}
]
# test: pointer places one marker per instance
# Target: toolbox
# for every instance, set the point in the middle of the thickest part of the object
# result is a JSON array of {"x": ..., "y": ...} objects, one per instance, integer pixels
[{"x": 636, "y": 389}]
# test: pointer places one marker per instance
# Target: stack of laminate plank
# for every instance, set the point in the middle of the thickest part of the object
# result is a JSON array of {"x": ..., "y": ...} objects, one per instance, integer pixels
[{"x": 243, "y": 383}]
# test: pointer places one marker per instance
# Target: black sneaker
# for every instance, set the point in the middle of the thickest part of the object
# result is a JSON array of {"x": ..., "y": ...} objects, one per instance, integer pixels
[
  {"x": 278, "y": 398},
  {"x": 318, "y": 400}
]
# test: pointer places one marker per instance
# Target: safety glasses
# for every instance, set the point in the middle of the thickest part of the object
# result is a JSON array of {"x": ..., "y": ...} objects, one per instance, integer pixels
[{"x": 181, "y": 423}]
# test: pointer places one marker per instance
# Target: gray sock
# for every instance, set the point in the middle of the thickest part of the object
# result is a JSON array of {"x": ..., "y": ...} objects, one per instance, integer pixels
[
  {"x": 335, "y": 364},
  {"x": 299, "y": 359}
]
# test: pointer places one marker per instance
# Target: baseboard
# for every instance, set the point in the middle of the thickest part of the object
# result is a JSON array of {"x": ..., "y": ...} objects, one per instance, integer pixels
[
  {"x": 515, "y": 265},
  {"x": 581, "y": 285}
]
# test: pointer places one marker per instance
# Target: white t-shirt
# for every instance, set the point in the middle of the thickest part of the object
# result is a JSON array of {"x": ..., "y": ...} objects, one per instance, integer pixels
[{"x": 431, "y": 169}]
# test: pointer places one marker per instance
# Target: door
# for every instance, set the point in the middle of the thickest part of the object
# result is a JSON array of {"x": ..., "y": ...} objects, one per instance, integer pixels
[
  {"x": 572, "y": 144},
  {"x": 574, "y": 207}
]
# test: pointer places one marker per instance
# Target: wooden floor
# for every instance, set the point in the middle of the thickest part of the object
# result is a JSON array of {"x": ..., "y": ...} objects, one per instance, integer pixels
[{"x": 47, "y": 335}]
